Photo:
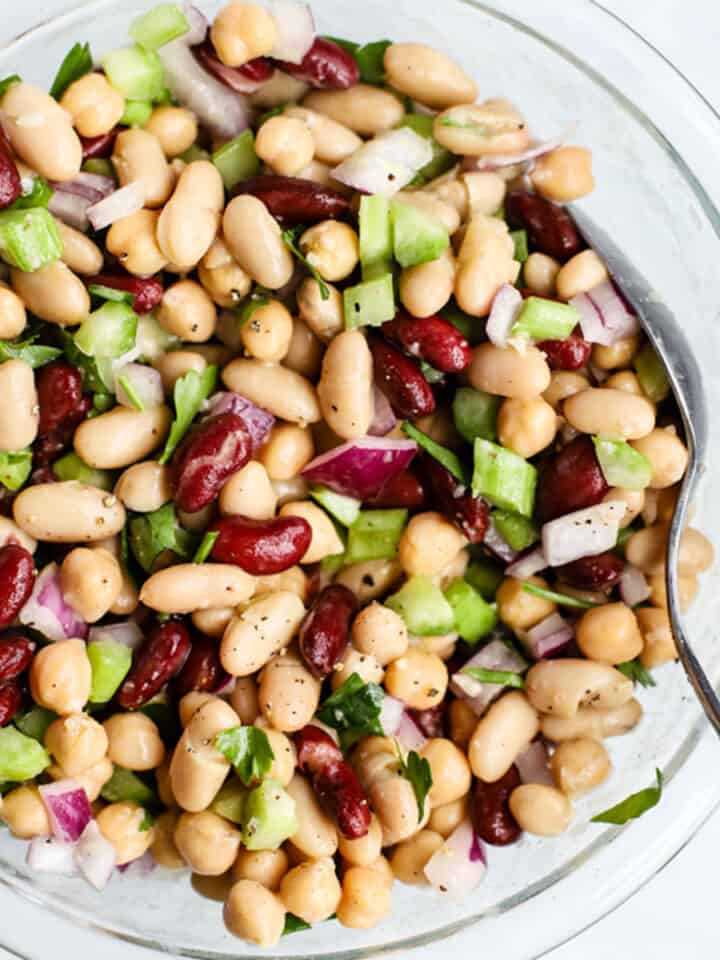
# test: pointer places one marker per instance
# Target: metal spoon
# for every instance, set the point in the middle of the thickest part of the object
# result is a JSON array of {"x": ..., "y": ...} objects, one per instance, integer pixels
[{"x": 664, "y": 333}]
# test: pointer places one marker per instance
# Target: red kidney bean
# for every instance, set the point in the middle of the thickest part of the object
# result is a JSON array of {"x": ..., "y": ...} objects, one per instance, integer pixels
[
  {"x": 570, "y": 480},
  {"x": 490, "y": 810},
  {"x": 550, "y": 227},
  {"x": 432, "y": 339},
  {"x": 403, "y": 491},
  {"x": 334, "y": 781},
  {"x": 261, "y": 547},
  {"x": 431, "y": 723},
  {"x": 202, "y": 670},
  {"x": 593, "y": 573},
  {"x": 470, "y": 514},
  {"x": 101, "y": 146},
  {"x": 42, "y": 475},
  {"x": 7, "y": 498},
  {"x": 326, "y": 67},
  {"x": 402, "y": 381},
  {"x": 59, "y": 387},
  {"x": 16, "y": 653},
  {"x": 215, "y": 450},
  {"x": 17, "y": 576},
  {"x": 325, "y": 630},
  {"x": 569, "y": 354},
  {"x": 244, "y": 79},
  {"x": 147, "y": 293},
  {"x": 10, "y": 186},
  {"x": 10, "y": 700},
  {"x": 160, "y": 658},
  {"x": 293, "y": 200}
]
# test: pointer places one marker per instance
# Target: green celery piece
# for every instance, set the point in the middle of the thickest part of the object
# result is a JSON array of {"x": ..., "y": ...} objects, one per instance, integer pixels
[
  {"x": 110, "y": 663},
  {"x": 153, "y": 533},
  {"x": 376, "y": 245},
  {"x": 423, "y": 607},
  {"x": 447, "y": 458},
  {"x": 193, "y": 153},
  {"x": 344, "y": 509},
  {"x": 152, "y": 340},
  {"x": 651, "y": 374},
  {"x": 520, "y": 239},
  {"x": 78, "y": 61},
  {"x": 329, "y": 566},
  {"x": 159, "y": 26},
  {"x": 108, "y": 332},
  {"x": 124, "y": 786},
  {"x": 15, "y": 468},
  {"x": 506, "y": 678},
  {"x": 442, "y": 159},
  {"x": 269, "y": 817},
  {"x": 29, "y": 239},
  {"x": 370, "y": 304},
  {"x": 541, "y": 319},
  {"x": 189, "y": 394},
  {"x": 71, "y": 467},
  {"x": 417, "y": 237},
  {"x": 623, "y": 465},
  {"x": 230, "y": 802},
  {"x": 485, "y": 578},
  {"x": 39, "y": 195},
  {"x": 8, "y": 82},
  {"x": 237, "y": 160},
  {"x": 519, "y": 532},
  {"x": 431, "y": 374},
  {"x": 375, "y": 535},
  {"x": 164, "y": 98},
  {"x": 21, "y": 757},
  {"x": 504, "y": 478},
  {"x": 137, "y": 113},
  {"x": 136, "y": 73},
  {"x": 35, "y": 722},
  {"x": 474, "y": 617},
  {"x": 100, "y": 165},
  {"x": 475, "y": 414},
  {"x": 371, "y": 60}
]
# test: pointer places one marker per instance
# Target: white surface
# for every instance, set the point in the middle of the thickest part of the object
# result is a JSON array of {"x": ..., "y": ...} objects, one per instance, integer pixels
[{"x": 674, "y": 909}]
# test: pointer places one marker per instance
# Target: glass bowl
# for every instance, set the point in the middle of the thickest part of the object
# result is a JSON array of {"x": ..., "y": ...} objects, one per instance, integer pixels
[{"x": 570, "y": 67}]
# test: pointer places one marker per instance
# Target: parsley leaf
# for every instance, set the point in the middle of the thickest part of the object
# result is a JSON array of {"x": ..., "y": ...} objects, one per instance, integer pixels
[
  {"x": 505, "y": 677},
  {"x": 153, "y": 533},
  {"x": 205, "y": 548},
  {"x": 294, "y": 924},
  {"x": 7, "y": 82},
  {"x": 289, "y": 238},
  {"x": 189, "y": 394},
  {"x": 78, "y": 61},
  {"x": 445, "y": 457},
  {"x": 102, "y": 292},
  {"x": 560, "y": 598},
  {"x": 634, "y": 806},
  {"x": 92, "y": 378},
  {"x": 248, "y": 750},
  {"x": 637, "y": 673},
  {"x": 354, "y": 710},
  {"x": 147, "y": 821},
  {"x": 36, "y": 356},
  {"x": 370, "y": 58},
  {"x": 260, "y": 297},
  {"x": 417, "y": 770},
  {"x": 15, "y": 468}
]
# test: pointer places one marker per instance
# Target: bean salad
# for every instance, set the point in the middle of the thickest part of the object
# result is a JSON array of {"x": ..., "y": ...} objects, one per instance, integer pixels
[{"x": 335, "y": 472}]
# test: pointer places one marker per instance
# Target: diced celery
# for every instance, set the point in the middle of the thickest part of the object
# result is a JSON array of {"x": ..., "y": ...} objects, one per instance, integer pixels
[
  {"x": 15, "y": 468},
  {"x": 623, "y": 465},
  {"x": 108, "y": 332},
  {"x": 442, "y": 159},
  {"x": 39, "y": 195},
  {"x": 344, "y": 509},
  {"x": 504, "y": 478},
  {"x": 230, "y": 802},
  {"x": 136, "y": 73},
  {"x": 520, "y": 239},
  {"x": 417, "y": 237},
  {"x": 475, "y": 414},
  {"x": 518, "y": 532},
  {"x": 375, "y": 535},
  {"x": 35, "y": 722},
  {"x": 423, "y": 607},
  {"x": 159, "y": 26},
  {"x": 329, "y": 566},
  {"x": 269, "y": 817},
  {"x": 71, "y": 467},
  {"x": 21, "y": 757},
  {"x": 474, "y": 618},
  {"x": 485, "y": 578},
  {"x": 370, "y": 304},
  {"x": 195, "y": 152},
  {"x": 651, "y": 374},
  {"x": 124, "y": 786},
  {"x": 137, "y": 113},
  {"x": 29, "y": 239},
  {"x": 451, "y": 461},
  {"x": 110, "y": 663},
  {"x": 541, "y": 319},
  {"x": 152, "y": 340},
  {"x": 376, "y": 244},
  {"x": 237, "y": 160},
  {"x": 100, "y": 165}
]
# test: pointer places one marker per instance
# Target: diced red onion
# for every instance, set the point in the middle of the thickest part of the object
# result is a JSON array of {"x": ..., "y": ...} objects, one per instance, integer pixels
[
  {"x": 198, "y": 25},
  {"x": 45, "y": 855},
  {"x": 225, "y": 686},
  {"x": 243, "y": 79},
  {"x": 384, "y": 420},
  {"x": 634, "y": 588},
  {"x": 118, "y": 205},
  {"x": 503, "y": 314},
  {"x": 70, "y": 208},
  {"x": 527, "y": 564},
  {"x": 408, "y": 734},
  {"x": 295, "y": 28},
  {"x": 498, "y": 545},
  {"x": 47, "y": 612},
  {"x": 386, "y": 164},
  {"x": 258, "y": 421},
  {"x": 391, "y": 714},
  {"x": 95, "y": 856},
  {"x": 67, "y": 805},
  {"x": 500, "y": 160},
  {"x": 494, "y": 656},
  {"x": 141, "y": 867},
  {"x": 459, "y": 865},
  {"x": 533, "y": 765},
  {"x": 362, "y": 467},
  {"x": 223, "y": 113},
  {"x": 604, "y": 318},
  {"x": 548, "y": 637},
  {"x": 146, "y": 383},
  {"x": 584, "y": 533},
  {"x": 90, "y": 186},
  {"x": 422, "y": 109},
  {"x": 128, "y": 633}
]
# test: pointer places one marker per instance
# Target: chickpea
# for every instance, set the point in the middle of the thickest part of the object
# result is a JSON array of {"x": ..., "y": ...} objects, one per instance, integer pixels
[
  {"x": 285, "y": 144},
  {"x": 646, "y": 550},
  {"x": 255, "y": 241},
  {"x": 428, "y": 287},
  {"x": 207, "y": 843},
  {"x": 381, "y": 633},
  {"x": 311, "y": 890},
  {"x": 332, "y": 142},
  {"x": 260, "y": 631},
  {"x": 504, "y": 732},
  {"x": 326, "y": 318},
  {"x": 483, "y": 129},
  {"x": 53, "y": 293},
  {"x": 138, "y": 158},
  {"x": 267, "y": 867},
  {"x": 428, "y": 544},
  {"x": 122, "y": 825},
  {"x": 620, "y": 354},
  {"x": 332, "y": 248},
  {"x": 91, "y": 581},
  {"x": 215, "y": 889},
  {"x": 445, "y": 819},
  {"x": 253, "y": 913},
  {"x": 249, "y": 493},
  {"x": 519, "y": 609},
  {"x": 77, "y": 742},
  {"x": 325, "y": 540},
  {"x": 164, "y": 851},
  {"x": 609, "y": 634},
  {"x": 417, "y": 678},
  {"x": 134, "y": 741},
  {"x": 92, "y": 780},
  {"x": 316, "y": 835},
  {"x": 132, "y": 241},
  {"x": 61, "y": 677},
  {"x": 224, "y": 279},
  {"x": 541, "y": 810},
  {"x": 25, "y": 814},
  {"x": 187, "y": 312},
  {"x": 175, "y": 127},
  {"x": 658, "y": 641},
  {"x": 164, "y": 786},
  {"x": 266, "y": 335},
  {"x": 95, "y": 106},
  {"x": 688, "y": 588},
  {"x": 541, "y": 274},
  {"x": 191, "y": 703},
  {"x": 371, "y": 579},
  {"x": 463, "y": 721},
  {"x": 242, "y": 32},
  {"x": 507, "y": 373},
  {"x": 564, "y": 384},
  {"x": 288, "y": 693},
  {"x": 188, "y": 587},
  {"x": 174, "y": 365},
  {"x": 526, "y": 426},
  {"x": 634, "y": 501},
  {"x": 667, "y": 454},
  {"x": 363, "y": 851},
  {"x": 32, "y": 120},
  {"x": 363, "y": 664},
  {"x": 366, "y": 898},
  {"x": 581, "y": 273},
  {"x": 564, "y": 174},
  {"x": 409, "y": 857},
  {"x": 365, "y": 109},
  {"x": 305, "y": 352},
  {"x": 580, "y": 765},
  {"x": 610, "y": 413},
  {"x": 190, "y": 220},
  {"x": 561, "y": 687},
  {"x": 594, "y": 722},
  {"x": 450, "y": 771}
]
